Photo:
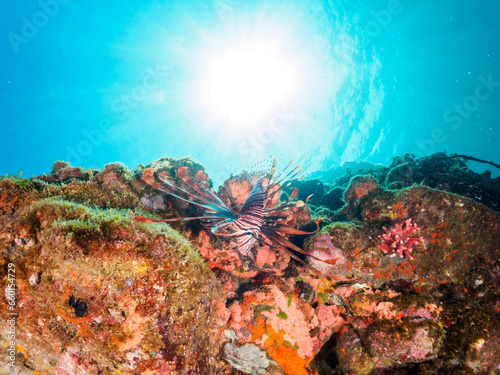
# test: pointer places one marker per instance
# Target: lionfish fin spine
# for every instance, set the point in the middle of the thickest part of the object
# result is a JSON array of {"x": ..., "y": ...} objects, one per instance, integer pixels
[
  {"x": 144, "y": 219},
  {"x": 287, "y": 243},
  {"x": 209, "y": 195},
  {"x": 148, "y": 175},
  {"x": 289, "y": 230},
  {"x": 182, "y": 172},
  {"x": 206, "y": 203}
]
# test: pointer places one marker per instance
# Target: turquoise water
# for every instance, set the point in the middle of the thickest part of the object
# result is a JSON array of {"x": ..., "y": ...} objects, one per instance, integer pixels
[{"x": 95, "y": 82}]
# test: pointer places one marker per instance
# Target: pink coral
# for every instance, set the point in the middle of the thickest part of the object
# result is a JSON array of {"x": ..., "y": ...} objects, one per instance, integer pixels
[{"x": 399, "y": 239}]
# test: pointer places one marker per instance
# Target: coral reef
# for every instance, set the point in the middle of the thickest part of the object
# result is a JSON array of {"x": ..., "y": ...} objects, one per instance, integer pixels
[
  {"x": 440, "y": 171},
  {"x": 98, "y": 293}
]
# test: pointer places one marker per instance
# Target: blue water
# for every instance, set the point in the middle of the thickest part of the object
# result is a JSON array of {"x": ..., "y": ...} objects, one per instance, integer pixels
[{"x": 93, "y": 82}]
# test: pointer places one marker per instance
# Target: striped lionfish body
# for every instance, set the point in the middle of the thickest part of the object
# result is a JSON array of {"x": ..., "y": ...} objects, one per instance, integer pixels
[{"x": 260, "y": 219}]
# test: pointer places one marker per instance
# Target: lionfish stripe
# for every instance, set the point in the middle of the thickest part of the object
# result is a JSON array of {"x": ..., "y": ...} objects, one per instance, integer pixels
[
  {"x": 245, "y": 244},
  {"x": 241, "y": 230},
  {"x": 254, "y": 204},
  {"x": 233, "y": 234}
]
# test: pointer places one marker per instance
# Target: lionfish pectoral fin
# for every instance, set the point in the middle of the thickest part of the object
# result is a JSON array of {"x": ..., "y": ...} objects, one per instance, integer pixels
[
  {"x": 204, "y": 199},
  {"x": 289, "y": 230},
  {"x": 289, "y": 245},
  {"x": 183, "y": 174},
  {"x": 149, "y": 176},
  {"x": 145, "y": 220}
]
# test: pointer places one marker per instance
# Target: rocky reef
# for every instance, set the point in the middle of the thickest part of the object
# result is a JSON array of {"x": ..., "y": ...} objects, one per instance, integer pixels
[{"x": 88, "y": 291}]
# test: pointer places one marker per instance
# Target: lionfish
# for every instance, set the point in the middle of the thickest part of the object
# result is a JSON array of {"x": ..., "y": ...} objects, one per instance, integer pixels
[{"x": 260, "y": 219}]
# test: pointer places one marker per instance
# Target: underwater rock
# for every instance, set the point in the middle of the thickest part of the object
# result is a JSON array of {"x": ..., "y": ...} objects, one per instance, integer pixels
[
  {"x": 389, "y": 331},
  {"x": 473, "y": 336},
  {"x": 456, "y": 236},
  {"x": 235, "y": 190},
  {"x": 387, "y": 344},
  {"x": 62, "y": 171},
  {"x": 359, "y": 188},
  {"x": 115, "y": 177},
  {"x": 109, "y": 295},
  {"x": 281, "y": 320},
  {"x": 454, "y": 271},
  {"x": 247, "y": 358},
  {"x": 407, "y": 340},
  {"x": 445, "y": 172},
  {"x": 333, "y": 199},
  {"x": 353, "y": 357},
  {"x": 401, "y": 175}
]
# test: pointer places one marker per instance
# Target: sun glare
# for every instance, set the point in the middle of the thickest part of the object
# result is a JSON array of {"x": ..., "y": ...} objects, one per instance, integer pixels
[{"x": 247, "y": 83}]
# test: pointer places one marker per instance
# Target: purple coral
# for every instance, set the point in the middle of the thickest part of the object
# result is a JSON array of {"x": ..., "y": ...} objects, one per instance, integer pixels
[{"x": 399, "y": 239}]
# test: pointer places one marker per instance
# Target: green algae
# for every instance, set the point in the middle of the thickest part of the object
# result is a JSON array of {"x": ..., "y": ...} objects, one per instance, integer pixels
[
  {"x": 110, "y": 188},
  {"x": 85, "y": 192},
  {"x": 282, "y": 315},
  {"x": 259, "y": 309},
  {"x": 348, "y": 226},
  {"x": 23, "y": 183}
]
